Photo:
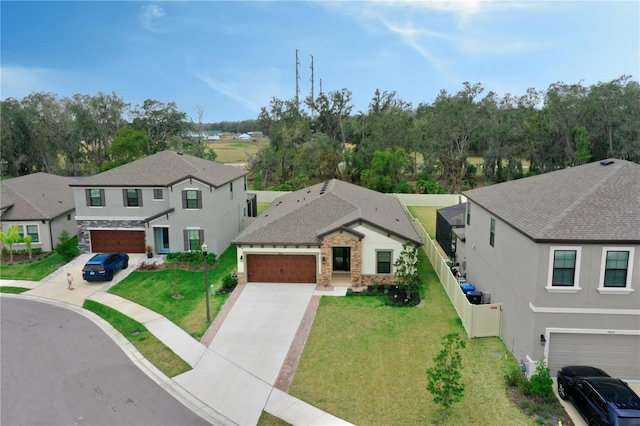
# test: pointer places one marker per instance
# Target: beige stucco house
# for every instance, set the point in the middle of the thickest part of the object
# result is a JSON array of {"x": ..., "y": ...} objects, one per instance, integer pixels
[
  {"x": 330, "y": 233},
  {"x": 42, "y": 205},
  {"x": 561, "y": 252}
]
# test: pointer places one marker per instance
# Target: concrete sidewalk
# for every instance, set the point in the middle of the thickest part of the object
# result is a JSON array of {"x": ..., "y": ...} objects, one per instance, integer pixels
[{"x": 232, "y": 380}]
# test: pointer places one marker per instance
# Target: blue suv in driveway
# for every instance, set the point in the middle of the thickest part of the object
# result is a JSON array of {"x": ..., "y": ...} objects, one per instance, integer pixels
[
  {"x": 101, "y": 267},
  {"x": 600, "y": 399}
]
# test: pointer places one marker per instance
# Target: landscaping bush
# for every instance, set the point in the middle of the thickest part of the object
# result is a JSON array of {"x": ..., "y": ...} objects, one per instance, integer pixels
[
  {"x": 229, "y": 282},
  {"x": 68, "y": 247},
  {"x": 541, "y": 383},
  {"x": 392, "y": 294},
  {"x": 192, "y": 258}
]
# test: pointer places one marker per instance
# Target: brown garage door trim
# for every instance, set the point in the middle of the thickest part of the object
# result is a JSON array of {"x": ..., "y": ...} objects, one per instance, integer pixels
[
  {"x": 281, "y": 268},
  {"x": 117, "y": 241}
]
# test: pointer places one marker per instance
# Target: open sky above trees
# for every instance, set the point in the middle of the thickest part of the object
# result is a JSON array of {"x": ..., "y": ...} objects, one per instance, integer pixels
[{"x": 231, "y": 58}]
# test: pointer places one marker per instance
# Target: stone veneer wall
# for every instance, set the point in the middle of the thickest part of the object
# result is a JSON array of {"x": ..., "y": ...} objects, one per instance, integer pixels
[
  {"x": 342, "y": 239},
  {"x": 84, "y": 240}
]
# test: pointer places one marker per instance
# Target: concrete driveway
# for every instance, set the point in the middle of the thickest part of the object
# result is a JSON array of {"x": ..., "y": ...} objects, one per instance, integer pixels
[{"x": 54, "y": 286}]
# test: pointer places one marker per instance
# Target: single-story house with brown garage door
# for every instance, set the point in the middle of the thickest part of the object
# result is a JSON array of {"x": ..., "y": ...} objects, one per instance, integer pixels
[{"x": 333, "y": 232}]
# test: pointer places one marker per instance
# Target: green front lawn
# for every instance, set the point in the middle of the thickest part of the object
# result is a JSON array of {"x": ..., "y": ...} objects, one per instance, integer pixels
[
  {"x": 155, "y": 290},
  {"x": 34, "y": 270},
  {"x": 366, "y": 362},
  {"x": 427, "y": 217}
]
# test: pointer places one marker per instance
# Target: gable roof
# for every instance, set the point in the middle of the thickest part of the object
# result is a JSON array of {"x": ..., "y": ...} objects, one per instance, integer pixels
[
  {"x": 454, "y": 215},
  {"x": 304, "y": 216},
  {"x": 595, "y": 202},
  {"x": 165, "y": 168},
  {"x": 38, "y": 196}
]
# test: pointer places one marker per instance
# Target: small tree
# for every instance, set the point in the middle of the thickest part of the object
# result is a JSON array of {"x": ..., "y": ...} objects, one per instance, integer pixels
[
  {"x": 444, "y": 379},
  {"x": 11, "y": 237},
  {"x": 66, "y": 248},
  {"x": 28, "y": 239},
  {"x": 175, "y": 284},
  {"x": 406, "y": 268},
  {"x": 541, "y": 383}
]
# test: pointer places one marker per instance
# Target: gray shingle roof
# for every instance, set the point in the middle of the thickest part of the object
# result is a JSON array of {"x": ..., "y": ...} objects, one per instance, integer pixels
[
  {"x": 302, "y": 217},
  {"x": 164, "y": 169},
  {"x": 38, "y": 196},
  {"x": 588, "y": 203}
]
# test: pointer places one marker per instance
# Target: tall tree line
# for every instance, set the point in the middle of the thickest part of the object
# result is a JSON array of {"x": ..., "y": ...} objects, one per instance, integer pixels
[
  {"x": 393, "y": 143},
  {"x": 383, "y": 148},
  {"x": 86, "y": 134}
]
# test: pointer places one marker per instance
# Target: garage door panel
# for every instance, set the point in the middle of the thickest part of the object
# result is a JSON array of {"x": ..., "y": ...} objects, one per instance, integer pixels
[
  {"x": 107, "y": 241},
  {"x": 618, "y": 355},
  {"x": 281, "y": 268}
]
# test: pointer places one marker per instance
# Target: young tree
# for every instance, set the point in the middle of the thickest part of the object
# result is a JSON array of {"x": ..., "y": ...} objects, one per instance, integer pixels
[
  {"x": 11, "y": 237},
  {"x": 406, "y": 269},
  {"x": 541, "y": 383},
  {"x": 28, "y": 240},
  {"x": 444, "y": 379}
]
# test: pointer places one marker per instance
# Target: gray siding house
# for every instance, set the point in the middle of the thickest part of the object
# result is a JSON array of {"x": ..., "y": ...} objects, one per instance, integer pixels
[
  {"x": 170, "y": 201},
  {"x": 560, "y": 251},
  {"x": 42, "y": 205}
]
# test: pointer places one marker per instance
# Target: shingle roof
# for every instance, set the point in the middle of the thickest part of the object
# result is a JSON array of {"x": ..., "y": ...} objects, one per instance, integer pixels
[
  {"x": 164, "y": 169},
  {"x": 38, "y": 196},
  {"x": 589, "y": 203},
  {"x": 302, "y": 217}
]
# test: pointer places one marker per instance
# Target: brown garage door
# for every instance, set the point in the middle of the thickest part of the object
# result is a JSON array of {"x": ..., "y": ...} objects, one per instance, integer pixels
[
  {"x": 281, "y": 268},
  {"x": 117, "y": 241}
]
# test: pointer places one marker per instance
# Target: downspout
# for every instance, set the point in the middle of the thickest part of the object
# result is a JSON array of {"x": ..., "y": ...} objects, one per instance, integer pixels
[{"x": 51, "y": 236}]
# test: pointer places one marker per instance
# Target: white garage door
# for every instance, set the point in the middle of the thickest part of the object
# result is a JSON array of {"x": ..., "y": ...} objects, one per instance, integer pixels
[{"x": 618, "y": 355}]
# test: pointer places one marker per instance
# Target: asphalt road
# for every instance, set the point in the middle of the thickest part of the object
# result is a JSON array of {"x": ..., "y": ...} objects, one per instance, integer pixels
[{"x": 58, "y": 368}]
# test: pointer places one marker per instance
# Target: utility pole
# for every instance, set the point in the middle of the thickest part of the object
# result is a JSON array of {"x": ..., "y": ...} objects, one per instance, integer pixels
[{"x": 313, "y": 100}]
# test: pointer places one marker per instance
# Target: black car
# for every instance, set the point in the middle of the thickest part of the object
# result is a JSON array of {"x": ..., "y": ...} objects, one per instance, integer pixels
[
  {"x": 600, "y": 399},
  {"x": 101, "y": 267}
]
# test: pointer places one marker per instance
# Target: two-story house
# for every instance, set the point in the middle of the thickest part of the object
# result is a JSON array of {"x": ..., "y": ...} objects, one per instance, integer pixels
[
  {"x": 170, "y": 201},
  {"x": 560, "y": 251}
]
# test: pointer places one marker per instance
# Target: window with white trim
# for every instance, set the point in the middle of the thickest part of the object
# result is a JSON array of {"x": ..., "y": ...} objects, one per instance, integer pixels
[
  {"x": 383, "y": 262},
  {"x": 32, "y": 230},
  {"x": 95, "y": 197},
  {"x": 492, "y": 233},
  {"x": 132, "y": 197},
  {"x": 191, "y": 199},
  {"x": 193, "y": 239},
  {"x": 616, "y": 270},
  {"x": 158, "y": 194},
  {"x": 564, "y": 269}
]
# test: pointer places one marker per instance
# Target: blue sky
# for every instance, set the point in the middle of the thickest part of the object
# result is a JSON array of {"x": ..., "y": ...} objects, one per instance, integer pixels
[{"x": 230, "y": 58}]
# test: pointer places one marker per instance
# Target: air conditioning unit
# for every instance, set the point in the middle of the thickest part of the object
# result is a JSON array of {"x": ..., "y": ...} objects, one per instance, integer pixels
[{"x": 486, "y": 297}]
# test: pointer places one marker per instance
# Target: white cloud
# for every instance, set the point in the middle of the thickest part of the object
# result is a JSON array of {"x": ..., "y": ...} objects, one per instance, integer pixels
[
  {"x": 229, "y": 90},
  {"x": 151, "y": 16}
]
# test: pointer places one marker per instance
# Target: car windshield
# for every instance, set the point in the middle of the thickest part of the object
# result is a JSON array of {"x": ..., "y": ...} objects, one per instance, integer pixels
[
  {"x": 90, "y": 267},
  {"x": 628, "y": 421}
]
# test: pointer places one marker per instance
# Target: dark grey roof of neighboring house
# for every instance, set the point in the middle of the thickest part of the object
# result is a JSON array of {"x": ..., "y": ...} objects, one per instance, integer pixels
[
  {"x": 165, "y": 169},
  {"x": 302, "y": 217},
  {"x": 454, "y": 215},
  {"x": 588, "y": 203},
  {"x": 38, "y": 196}
]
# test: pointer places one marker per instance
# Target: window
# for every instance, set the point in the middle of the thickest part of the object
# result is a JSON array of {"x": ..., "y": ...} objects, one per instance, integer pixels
[
  {"x": 132, "y": 197},
  {"x": 191, "y": 199},
  {"x": 94, "y": 197},
  {"x": 564, "y": 269},
  {"x": 231, "y": 189},
  {"x": 193, "y": 239},
  {"x": 158, "y": 194},
  {"x": 615, "y": 270},
  {"x": 383, "y": 264},
  {"x": 468, "y": 213},
  {"x": 492, "y": 233},
  {"x": 69, "y": 217},
  {"x": 245, "y": 183},
  {"x": 33, "y": 231}
]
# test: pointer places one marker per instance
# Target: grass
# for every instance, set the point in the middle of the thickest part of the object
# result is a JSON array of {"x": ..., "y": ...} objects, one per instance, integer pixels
[
  {"x": 229, "y": 151},
  {"x": 427, "y": 217},
  {"x": 153, "y": 289},
  {"x": 34, "y": 270},
  {"x": 262, "y": 207},
  {"x": 146, "y": 343},
  {"x": 366, "y": 362},
  {"x": 267, "y": 419},
  {"x": 12, "y": 290}
]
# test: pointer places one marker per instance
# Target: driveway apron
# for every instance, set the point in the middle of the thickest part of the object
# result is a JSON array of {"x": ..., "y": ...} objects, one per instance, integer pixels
[{"x": 247, "y": 352}]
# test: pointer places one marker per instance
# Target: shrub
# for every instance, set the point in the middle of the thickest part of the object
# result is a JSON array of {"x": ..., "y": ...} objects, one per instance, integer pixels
[
  {"x": 68, "y": 247},
  {"x": 514, "y": 376},
  {"x": 541, "y": 383},
  {"x": 229, "y": 282}
]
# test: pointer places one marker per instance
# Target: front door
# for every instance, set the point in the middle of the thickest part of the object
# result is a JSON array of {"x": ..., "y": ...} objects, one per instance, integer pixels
[
  {"x": 162, "y": 240},
  {"x": 342, "y": 259}
]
